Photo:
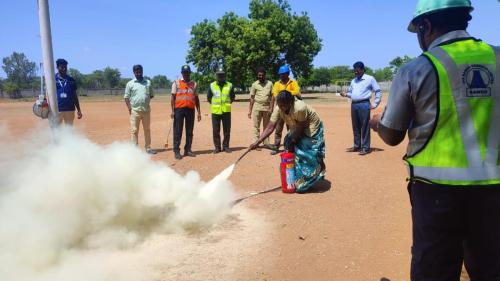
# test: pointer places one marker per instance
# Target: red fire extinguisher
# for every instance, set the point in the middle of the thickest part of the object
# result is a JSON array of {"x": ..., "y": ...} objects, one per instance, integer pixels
[{"x": 287, "y": 171}]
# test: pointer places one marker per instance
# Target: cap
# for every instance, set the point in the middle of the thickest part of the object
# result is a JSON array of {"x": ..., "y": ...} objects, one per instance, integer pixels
[
  {"x": 220, "y": 70},
  {"x": 185, "y": 68}
]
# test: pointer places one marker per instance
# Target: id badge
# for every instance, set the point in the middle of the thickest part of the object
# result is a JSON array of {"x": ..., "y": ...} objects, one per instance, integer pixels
[{"x": 64, "y": 95}]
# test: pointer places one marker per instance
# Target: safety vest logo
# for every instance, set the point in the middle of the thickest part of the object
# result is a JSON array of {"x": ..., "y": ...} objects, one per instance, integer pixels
[{"x": 478, "y": 80}]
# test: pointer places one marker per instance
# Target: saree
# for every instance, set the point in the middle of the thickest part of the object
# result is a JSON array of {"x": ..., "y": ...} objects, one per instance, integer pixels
[{"x": 309, "y": 151}]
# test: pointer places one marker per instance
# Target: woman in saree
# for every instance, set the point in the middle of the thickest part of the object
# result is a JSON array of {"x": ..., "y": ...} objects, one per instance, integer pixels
[{"x": 305, "y": 138}]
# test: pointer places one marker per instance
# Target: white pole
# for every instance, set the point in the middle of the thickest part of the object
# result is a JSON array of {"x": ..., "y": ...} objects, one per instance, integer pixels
[
  {"x": 48, "y": 57},
  {"x": 42, "y": 94}
]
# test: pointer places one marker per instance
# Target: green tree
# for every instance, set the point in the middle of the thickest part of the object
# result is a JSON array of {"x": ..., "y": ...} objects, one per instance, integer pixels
[
  {"x": 12, "y": 89},
  {"x": 202, "y": 81},
  {"x": 111, "y": 77},
  {"x": 270, "y": 37},
  {"x": 95, "y": 80},
  {"x": 397, "y": 62},
  {"x": 369, "y": 71},
  {"x": 19, "y": 70},
  {"x": 123, "y": 82},
  {"x": 160, "y": 82},
  {"x": 79, "y": 78},
  {"x": 341, "y": 73},
  {"x": 383, "y": 74},
  {"x": 320, "y": 76}
]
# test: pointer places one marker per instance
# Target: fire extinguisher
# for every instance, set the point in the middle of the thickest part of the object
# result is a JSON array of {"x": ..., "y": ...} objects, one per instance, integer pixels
[{"x": 287, "y": 171}]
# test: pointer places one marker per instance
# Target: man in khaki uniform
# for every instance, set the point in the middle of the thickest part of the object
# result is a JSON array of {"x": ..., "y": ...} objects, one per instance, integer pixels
[
  {"x": 260, "y": 100},
  {"x": 138, "y": 94}
]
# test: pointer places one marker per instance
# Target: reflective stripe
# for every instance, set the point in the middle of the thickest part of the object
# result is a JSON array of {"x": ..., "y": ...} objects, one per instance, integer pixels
[
  {"x": 493, "y": 149},
  {"x": 221, "y": 101},
  {"x": 464, "y": 149},
  {"x": 458, "y": 174},
  {"x": 184, "y": 96},
  {"x": 461, "y": 106}
]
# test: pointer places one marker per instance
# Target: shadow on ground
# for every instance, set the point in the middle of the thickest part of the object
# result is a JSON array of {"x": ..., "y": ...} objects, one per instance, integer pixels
[
  {"x": 209, "y": 151},
  {"x": 320, "y": 187}
]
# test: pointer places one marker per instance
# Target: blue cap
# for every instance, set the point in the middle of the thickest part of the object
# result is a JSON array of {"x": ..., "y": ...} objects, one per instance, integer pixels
[{"x": 284, "y": 69}]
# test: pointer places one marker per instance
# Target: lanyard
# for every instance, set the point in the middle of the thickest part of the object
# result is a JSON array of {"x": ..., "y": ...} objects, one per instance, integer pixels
[{"x": 60, "y": 83}]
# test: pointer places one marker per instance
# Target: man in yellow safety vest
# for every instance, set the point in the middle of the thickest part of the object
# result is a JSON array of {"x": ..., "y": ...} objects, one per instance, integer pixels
[
  {"x": 448, "y": 100},
  {"x": 220, "y": 96}
]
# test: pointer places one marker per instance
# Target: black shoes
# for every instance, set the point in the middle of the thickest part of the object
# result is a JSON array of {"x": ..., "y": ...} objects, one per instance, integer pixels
[
  {"x": 361, "y": 151},
  {"x": 227, "y": 150},
  {"x": 178, "y": 155},
  {"x": 189, "y": 153},
  {"x": 216, "y": 150},
  {"x": 364, "y": 152}
]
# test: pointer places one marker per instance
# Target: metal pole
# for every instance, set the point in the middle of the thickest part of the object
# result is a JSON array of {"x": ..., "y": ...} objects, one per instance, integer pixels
[
  {"x": 48, "y": 58},
  {"x": 42, "y": 94}
]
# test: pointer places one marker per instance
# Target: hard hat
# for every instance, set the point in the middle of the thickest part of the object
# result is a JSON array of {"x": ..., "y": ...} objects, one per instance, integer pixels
[
  {"x": 185, "y": 68},
  {"x": 425, "y": 7},
  {"x": 41, "y": 109},
  {"x": 220, "y": 70},
  {"x": 284, "y": 69}
]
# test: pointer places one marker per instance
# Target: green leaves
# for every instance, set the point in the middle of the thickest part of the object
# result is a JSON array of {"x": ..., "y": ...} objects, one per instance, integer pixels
[
  {"x": 397, "y": 62},
  {"x": 20, "y": 71},
  {"x": 270, "y": 37},
  {"x": 160, "y": 82}
]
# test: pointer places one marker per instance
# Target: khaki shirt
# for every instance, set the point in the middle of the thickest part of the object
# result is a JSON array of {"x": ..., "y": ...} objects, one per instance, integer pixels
[
  {"x": 262, "y": 93},
  {"x": 299, "y": 112},
  {"x": 139, "y": 93}
]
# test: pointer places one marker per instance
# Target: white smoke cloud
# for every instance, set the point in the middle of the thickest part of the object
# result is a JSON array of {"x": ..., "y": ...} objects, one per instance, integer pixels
[{"x": 73, "y": 210}]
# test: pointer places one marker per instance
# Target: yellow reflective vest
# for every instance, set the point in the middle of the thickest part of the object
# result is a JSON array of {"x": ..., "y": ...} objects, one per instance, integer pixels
[
  {"x": 464, "y": 148},
  {"x": 221, "y": 101}
]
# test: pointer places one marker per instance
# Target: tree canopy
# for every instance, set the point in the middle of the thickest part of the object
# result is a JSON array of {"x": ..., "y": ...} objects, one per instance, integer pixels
[
  {"x": 19, "y": 69},
  {"x": 160, "y": 82},
  {"x": 21, "y": 73},
  {"x": 269, "y": 37},
  {"x": 397, "y": 62}
]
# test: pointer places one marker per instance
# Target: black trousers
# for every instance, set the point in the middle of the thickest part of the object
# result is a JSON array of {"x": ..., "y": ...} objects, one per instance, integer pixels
[
  {"x": 182, "y": 115},
  {"x": 225, "y": 118},
  {"x": 455, "y": 225}
]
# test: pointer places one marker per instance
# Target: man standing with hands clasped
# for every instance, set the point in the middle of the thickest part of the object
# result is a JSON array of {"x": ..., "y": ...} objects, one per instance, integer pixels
[
  {"x": 360, "y": 92},
  {"x": 259, "y": 108},
  {"x": 183, "y": 102},
  {"x": 138, "y": 94}
]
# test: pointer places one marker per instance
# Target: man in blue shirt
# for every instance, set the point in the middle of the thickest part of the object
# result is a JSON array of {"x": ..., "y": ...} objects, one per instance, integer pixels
[
  {"x": 360, "y": 92},
  {"x": 67, "y": 99}
]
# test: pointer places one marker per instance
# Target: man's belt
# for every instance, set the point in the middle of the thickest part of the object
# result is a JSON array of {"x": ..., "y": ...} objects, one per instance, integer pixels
[{"x": 360, "y": 101}]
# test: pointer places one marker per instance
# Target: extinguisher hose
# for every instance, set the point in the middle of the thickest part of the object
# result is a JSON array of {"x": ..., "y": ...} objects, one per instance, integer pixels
[{"x": 243, "y": 155}]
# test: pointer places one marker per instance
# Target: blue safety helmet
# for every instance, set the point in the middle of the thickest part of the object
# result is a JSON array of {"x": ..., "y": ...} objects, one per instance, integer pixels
[{"x": 284, "y": 69}]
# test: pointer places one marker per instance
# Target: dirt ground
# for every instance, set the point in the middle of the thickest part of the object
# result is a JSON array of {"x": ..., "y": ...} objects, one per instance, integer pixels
[{"x": 355, "y": 225}]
